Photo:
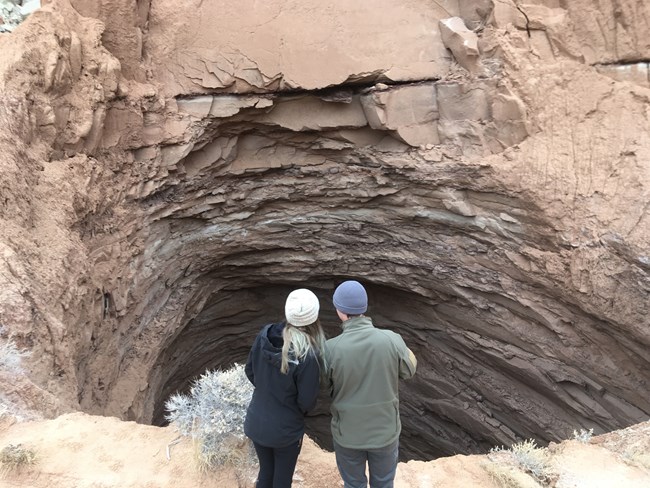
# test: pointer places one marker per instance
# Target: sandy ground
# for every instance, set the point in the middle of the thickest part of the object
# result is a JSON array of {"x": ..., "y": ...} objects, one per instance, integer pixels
[{"x": 82, "y": 451}]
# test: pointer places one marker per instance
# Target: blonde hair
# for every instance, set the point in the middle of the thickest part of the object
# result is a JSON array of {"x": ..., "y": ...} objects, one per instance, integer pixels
[{"x": 300, "y": 341}]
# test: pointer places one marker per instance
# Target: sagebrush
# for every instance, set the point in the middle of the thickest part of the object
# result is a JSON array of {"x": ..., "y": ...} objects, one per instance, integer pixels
[
  {"x": 583, "y": 435},
  {"x": 213, "y": 415},
  {"x": 530, "y": 458}
]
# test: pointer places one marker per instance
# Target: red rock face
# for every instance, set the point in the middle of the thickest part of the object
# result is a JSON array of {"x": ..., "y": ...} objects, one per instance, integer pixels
[{"x": 169, "y": 176}]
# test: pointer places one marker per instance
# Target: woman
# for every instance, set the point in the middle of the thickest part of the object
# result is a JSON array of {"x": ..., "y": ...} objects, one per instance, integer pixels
[{"x": 284, "y": 366}]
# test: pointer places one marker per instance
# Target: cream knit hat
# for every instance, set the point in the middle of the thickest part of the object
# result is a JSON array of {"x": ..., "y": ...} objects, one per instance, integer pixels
[{"x": 301, "y": 307}]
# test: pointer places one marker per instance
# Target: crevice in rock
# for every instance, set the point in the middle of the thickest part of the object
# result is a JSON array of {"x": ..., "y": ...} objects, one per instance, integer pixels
[
  {"x": 635, "y": 71},
  {"x": 337, "y": 93},
  {"x": 623, "y": 62},
  {"x": 526, "y": 16}
]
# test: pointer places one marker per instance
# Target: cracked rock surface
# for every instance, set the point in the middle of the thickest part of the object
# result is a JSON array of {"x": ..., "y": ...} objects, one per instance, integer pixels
[{"x": 168, "y": 177}]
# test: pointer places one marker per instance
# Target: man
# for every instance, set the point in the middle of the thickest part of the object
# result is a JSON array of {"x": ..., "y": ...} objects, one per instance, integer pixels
[{"x": 364, "y": 365}]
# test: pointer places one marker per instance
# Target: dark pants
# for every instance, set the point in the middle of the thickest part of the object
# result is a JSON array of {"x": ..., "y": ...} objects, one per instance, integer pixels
[
  {"x": 277, "y": 465},
  {"x": 382, "y": 466}
]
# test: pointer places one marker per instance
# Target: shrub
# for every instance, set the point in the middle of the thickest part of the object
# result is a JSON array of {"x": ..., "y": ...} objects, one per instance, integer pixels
[
  {"x": 583, "y": 436},
  {"x": 16, "y": 457},
  {"x": 213, "y": 415},
  {"x": 530, "y": 458}
]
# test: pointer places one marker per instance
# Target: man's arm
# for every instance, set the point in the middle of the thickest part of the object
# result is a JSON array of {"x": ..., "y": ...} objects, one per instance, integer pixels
[
  {"x": 328, "y": 384},
  {"x": 407, "y": 361}
]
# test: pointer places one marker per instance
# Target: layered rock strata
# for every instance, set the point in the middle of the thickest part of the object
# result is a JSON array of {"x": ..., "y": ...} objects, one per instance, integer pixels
[{"x": 168, "y": 180}]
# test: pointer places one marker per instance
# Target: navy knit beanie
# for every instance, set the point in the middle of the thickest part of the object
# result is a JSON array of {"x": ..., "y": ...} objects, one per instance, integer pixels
[{"x": 350, "y": 298}]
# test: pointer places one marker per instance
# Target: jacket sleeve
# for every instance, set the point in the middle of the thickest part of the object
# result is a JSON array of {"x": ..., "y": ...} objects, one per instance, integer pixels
[
  {"x": 248, "y": 369},
  {"x": 308, "y": 383},
  {"x": 327, "y": 376},
  {"x": 407, "y": 361}
]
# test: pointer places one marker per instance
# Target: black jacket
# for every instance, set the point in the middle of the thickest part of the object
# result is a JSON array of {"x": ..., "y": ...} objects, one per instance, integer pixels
[{"x": 276, "y": 414}]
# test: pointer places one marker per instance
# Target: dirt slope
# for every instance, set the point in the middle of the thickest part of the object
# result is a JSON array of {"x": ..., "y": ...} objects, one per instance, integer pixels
[{"x": 82, "y": 451}]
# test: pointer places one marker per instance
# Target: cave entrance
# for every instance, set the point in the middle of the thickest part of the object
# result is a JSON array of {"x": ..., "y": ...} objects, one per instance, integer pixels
[
  {"x": 482, "y": 380},
  {"x": 223, "y": 332}
]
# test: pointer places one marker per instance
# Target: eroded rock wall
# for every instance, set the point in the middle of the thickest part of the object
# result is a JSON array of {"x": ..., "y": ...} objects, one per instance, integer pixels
[{"x": 164, "y": 189}]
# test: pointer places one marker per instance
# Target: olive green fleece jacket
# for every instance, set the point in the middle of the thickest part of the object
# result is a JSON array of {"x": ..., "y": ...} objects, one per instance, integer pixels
[{"x": 364, "y": 366}]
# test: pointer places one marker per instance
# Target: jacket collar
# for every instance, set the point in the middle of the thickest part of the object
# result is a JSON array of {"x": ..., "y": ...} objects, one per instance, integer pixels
[{"x": 357, "y": 323}]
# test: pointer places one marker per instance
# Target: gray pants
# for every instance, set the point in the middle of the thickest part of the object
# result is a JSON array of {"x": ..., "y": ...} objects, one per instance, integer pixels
[{"x": 382, "y": 466}]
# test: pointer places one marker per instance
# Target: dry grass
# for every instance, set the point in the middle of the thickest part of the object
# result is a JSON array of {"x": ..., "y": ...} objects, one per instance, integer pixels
[
  {"x": 16, "y": 457},
  {"x": 509, "y": 477},
  {"x": 233, "y": 451}
]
